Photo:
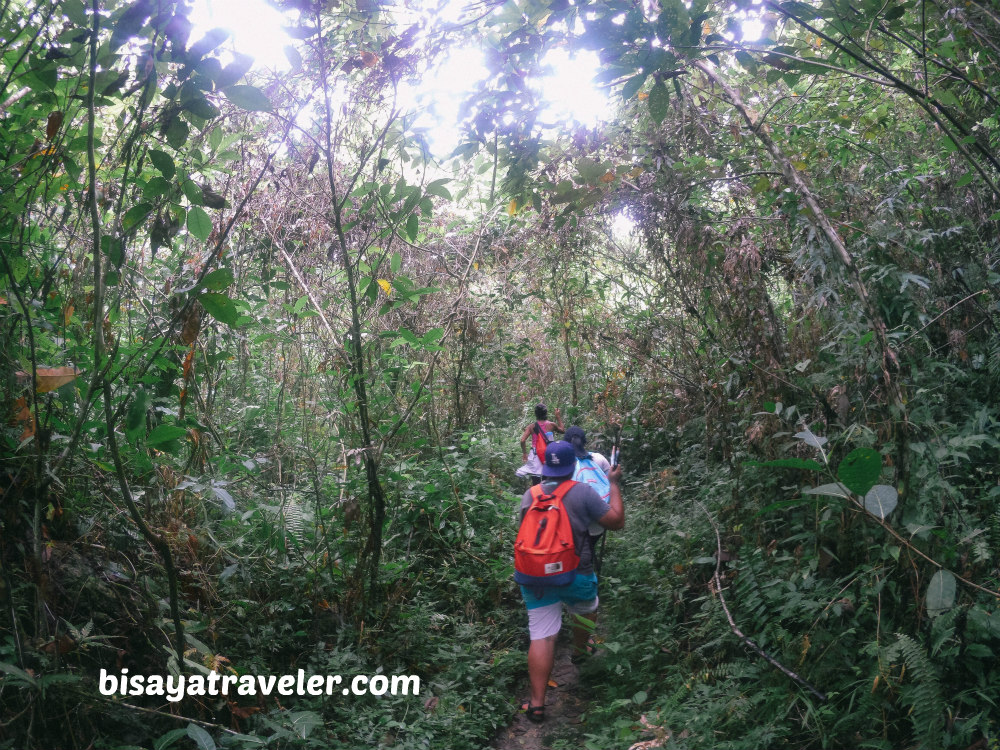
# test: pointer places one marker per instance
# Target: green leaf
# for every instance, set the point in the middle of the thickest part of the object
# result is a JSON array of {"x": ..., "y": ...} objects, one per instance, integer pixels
[
  {"x": 198, "y": 223},
  {"x": 177, "y": 133},
  {"x": 438, "y": 188},
  {"x": 169, "y": 739},
  {"x": 789, "y": 463},
  {"x": 940, "y": 593},
  {"x": 201, "y": 107},
  {"x": 395, "y": 262},
  {"x": 860, "y": 470},
  {"x": 135, "y": 417},
  {"x": 164, "y": 434},
  {"x": 589, "y": 169},
  {"x": 249, "y": 98},
  {"x": 659, "y": 102},
  {"x": 201, "y": 738},
  {"x": 632, "y": 86},
  {"x": 193, "y": 192},
  {"x": 881, "y": 500},
  {"x": 412, "y": 225},
  {"x": 964, "y": 180},
  {"x": 834, "y": 489},
  {"x": 163, "y": 162},
  {"x": 218, "y": 279},
  {"x": 135, "y": 215},
  {"x": 220, "y": 307}
]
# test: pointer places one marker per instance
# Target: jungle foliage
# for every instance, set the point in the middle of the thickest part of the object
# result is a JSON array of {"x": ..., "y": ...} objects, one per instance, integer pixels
[{"x": 265, "y": 358}]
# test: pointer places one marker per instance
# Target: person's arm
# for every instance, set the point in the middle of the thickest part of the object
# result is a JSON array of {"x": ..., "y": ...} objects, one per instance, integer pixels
[
  {"x": 558, "y": 426},
  {"x": 614, "y": 518},
  {"x": 524, "y": 441}
]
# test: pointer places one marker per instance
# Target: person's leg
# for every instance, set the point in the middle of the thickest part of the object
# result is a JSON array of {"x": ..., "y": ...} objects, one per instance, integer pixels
[
  {"x": 541, "y": 657},
  {"x": 543, "y": 628}
]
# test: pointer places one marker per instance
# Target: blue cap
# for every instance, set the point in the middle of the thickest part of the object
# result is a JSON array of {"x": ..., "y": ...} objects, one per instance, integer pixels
[{"x": 560, "y": 459}]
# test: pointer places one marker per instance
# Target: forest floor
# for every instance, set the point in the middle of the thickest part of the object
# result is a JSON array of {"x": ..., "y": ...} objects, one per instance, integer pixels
[{"x": 564, "y": 705}]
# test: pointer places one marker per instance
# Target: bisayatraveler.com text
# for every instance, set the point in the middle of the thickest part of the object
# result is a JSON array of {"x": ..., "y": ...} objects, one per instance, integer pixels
[{"x": 174, "y": 688}]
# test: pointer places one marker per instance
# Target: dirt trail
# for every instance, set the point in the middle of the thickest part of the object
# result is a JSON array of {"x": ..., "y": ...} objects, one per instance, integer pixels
[{"x": 563, "y": 706}]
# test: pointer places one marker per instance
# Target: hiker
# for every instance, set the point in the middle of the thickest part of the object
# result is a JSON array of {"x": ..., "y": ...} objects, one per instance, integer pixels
[
  {"x": 577, "y": 589},
  {"x": 542, "y": 432},
  {"x": 592, "y": 468}
]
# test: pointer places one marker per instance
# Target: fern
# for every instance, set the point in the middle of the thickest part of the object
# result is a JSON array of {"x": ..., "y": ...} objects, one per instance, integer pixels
[{"x": 922, "y": 691}]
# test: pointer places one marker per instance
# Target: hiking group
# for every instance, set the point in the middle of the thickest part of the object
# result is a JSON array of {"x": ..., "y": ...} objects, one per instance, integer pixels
[{"x": 575, "y": 496}]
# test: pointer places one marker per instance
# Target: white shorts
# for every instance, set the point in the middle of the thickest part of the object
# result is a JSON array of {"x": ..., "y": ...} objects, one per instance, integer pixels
[{"x": 546, "y": 621}]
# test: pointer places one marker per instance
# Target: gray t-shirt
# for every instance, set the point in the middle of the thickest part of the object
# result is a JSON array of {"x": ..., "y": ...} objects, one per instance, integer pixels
[{"x": 583, "y": 506}]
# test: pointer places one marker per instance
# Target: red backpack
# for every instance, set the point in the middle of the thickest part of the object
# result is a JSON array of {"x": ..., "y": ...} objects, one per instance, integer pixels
[
  {"x": 540, "y": 441},
  {"x": 544, "y": 552}
]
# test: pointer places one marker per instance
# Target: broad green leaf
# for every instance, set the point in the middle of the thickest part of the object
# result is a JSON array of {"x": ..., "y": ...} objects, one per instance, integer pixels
[
  {"x": 395, "y": 262},
  {"x": 164, "y": 434},
  {"x": 218, "y": 279},
  {"x": 438, "y": 188},
  {"x": 412, "y": 225},
  {"x": 177, "y": 133},
  {"x": 201, "y": 107},
  {"x": 940, "y": 593},
  {"x": 632, "y": 86},
  {"x": 249, "y": 98},
  {"x": 860, "y": 470},
  {"x": 201, "y": 738},
  {"x": 589, "y": 169},
  {"x": 659, "y": 102},
  {"x": 198, "y": 223},
  {"x": 220, "y": 307},
  {"x": 881, "y": 500},
  {"x": 135, "y": 216},
  {"x": 193, "y": 192},
  {"x": 163, "y": 163}
]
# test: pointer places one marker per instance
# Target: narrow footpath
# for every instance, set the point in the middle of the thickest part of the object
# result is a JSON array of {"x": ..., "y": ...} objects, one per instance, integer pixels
[{"x": 564, "y": 706}]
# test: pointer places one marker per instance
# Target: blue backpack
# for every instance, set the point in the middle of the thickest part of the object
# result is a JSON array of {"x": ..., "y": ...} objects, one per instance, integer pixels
[{"x": 590, "y": 473}]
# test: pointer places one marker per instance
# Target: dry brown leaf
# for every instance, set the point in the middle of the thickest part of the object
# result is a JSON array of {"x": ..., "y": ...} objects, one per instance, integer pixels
[
  {"x": 53, "y": 124},
  {"x": 553, "y": 684},
  {"x": 49, "y": 378},
  {"x": 368, "y": 59}
]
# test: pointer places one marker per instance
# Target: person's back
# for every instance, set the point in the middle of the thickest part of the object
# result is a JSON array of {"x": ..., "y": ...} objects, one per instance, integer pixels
[
  {"x": 541, "y": 432},
  {"x": 545, "y": 604}
]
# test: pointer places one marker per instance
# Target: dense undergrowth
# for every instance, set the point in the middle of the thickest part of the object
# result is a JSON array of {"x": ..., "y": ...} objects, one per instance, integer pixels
[{"x": 265, "y": 359}]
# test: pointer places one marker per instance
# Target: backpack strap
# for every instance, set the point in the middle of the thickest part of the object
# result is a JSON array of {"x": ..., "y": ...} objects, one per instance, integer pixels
[{"x": 538, "y": 496}]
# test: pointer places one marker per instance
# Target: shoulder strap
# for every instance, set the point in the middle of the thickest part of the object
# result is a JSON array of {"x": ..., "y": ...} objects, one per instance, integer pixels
[{"x": 538, "y": 494}]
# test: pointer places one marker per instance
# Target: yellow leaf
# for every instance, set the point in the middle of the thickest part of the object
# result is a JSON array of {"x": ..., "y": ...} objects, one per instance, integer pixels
[
  {"x": 643, "y": 96},
  {"x": 512, "y": 207},
  {"x": 799, "y": 165},
  {"x": 475, "y": 266},
  {"x": 386, "y": 286},
  {"x": 553, "y": 684},
  {"x": 608, "y": 177},
  {"x": 636, "y": 172}
]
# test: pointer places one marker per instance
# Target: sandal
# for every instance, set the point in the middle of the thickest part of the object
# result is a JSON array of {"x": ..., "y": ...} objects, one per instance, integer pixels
[{"x": 534, "y": 714}]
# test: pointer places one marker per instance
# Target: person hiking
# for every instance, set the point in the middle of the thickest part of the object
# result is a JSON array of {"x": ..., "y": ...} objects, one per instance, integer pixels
[
  {"x": 592, "y": 468},
  {"x": 541, "y": 432},
  {"x": 581, "y": 505}
]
